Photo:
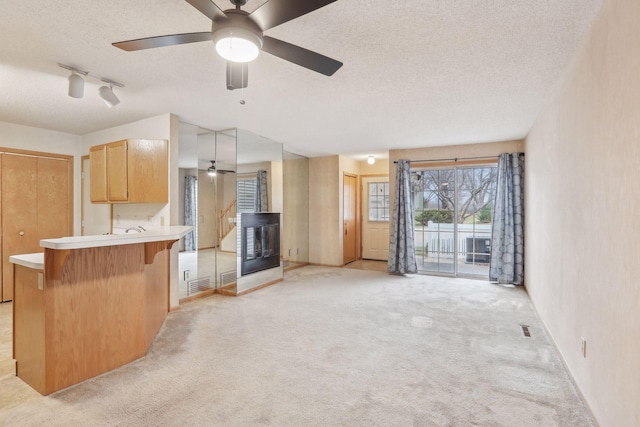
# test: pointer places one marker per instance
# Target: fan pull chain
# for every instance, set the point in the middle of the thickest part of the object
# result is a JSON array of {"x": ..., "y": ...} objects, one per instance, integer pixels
[{"x": 242, "y": 102}]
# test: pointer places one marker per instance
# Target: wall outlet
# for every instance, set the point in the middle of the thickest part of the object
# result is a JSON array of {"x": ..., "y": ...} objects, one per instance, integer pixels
[
  {"x": 162, "y": 221},
  {"x": 187, "y": 275},
  {"x": 583, "y": 347}
]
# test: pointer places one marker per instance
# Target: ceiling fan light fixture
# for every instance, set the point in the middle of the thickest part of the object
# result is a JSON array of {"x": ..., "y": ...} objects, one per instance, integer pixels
[
  {"x": 237, "y": 44},
  {"x": 76, "y": 86},
  {"x": 211, "y": 171},
  {"x": 107, "y": 95}
]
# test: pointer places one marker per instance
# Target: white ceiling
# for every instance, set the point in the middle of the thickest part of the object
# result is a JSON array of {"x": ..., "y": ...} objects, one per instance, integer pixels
[{"x": 416, "y": 73}]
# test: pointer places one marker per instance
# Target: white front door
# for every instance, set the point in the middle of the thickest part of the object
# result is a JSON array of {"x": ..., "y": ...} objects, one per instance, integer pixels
[{"x": 375, "y": 218}]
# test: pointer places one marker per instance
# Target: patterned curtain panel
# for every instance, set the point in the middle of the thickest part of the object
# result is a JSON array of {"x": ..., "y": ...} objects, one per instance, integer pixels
[
  {"x": 190, "y": 212},
  {"x": 402, "y": 255},
  {"x": 507, "y": 238},
  {"x": 261, "y": 192}
]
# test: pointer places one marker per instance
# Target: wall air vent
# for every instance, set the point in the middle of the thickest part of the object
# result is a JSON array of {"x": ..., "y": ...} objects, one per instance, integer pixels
[
  {"x": 199, "y": 285},
  {"x": 228, "y": 277}
]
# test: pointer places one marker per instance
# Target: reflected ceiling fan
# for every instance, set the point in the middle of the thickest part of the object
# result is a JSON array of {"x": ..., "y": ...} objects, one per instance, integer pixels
[
  {"x": 238, "y": 36},
  {"x": 213, "y": 171}
]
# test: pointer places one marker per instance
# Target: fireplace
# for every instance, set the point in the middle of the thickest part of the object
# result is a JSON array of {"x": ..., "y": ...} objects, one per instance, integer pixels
[{"x": 260, "y": 240}]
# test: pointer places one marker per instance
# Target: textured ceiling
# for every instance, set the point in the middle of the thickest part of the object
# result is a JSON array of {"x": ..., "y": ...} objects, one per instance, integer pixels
[{"x": 415, "y": 74}]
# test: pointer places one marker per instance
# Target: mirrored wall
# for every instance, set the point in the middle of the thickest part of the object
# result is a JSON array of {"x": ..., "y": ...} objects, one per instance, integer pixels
[
  {"x": 207, "y": 194},
  {"x": 229, "y": 175}
]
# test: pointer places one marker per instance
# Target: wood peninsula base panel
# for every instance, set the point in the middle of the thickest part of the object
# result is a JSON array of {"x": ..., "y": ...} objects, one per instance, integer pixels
[{"x": 100, "y": 308}]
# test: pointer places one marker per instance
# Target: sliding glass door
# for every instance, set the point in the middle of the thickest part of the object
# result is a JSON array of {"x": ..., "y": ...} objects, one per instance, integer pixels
[{"x": 453, "y": 210}]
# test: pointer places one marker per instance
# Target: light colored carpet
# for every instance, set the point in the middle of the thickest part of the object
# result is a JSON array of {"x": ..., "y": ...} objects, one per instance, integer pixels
[{"x": 330, "y": 347}]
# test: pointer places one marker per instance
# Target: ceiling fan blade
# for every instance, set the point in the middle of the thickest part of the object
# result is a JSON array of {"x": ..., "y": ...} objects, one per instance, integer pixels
[
  {"x": 161, "y": 41},
  {"x": 207, "y": 8},
  {"x": 276, "y": 12},
  {"x": 237, "y": 75},
  {"x": 301, "y": 56}
]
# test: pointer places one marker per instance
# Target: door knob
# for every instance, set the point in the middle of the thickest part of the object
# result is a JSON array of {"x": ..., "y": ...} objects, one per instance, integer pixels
[{"x": 21, "y": 233}]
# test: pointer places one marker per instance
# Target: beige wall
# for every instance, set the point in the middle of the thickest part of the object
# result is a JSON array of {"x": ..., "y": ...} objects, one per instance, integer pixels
[
  {"x": 295, "y": 236},
  {"x": 380, "y": 167},
  {"x": 583, "y": 216},
  {"x": 457, "y": 151},
  {"x": 324, "y": 211}
]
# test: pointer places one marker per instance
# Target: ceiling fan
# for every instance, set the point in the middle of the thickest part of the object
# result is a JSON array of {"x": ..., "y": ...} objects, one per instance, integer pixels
[
  {"x": 238, "y": 36},
  {"x": 212, "y": 170}
]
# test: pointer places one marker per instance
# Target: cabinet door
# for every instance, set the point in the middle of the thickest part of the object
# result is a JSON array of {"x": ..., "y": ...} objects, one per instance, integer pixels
[
  {"x": 98, "y": 170},
  {"x": 117, "y": 171},
  {"x": 19, "y": 213},
  {"x": 148, "y": 171}
]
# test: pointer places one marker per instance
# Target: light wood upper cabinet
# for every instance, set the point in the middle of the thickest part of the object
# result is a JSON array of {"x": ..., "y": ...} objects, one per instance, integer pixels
[
  {"x": 130, "y": 171},
  {"x": 98, "y": 177}
]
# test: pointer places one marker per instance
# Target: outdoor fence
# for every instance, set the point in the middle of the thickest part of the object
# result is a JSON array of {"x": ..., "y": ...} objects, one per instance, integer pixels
[{"x": 473, "y": 240}]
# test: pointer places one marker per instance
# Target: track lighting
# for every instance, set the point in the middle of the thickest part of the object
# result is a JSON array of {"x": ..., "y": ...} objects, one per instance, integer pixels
[
  {"x": 212, "y": 169},
  {"x": 107, "y": 95},
  {"x": 76, "y": 85},
  {"x": 371, "y": 160}
]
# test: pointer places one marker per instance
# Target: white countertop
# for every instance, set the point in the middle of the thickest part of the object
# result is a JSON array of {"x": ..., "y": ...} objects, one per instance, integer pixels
[
  {"x": 80, "y": 242},
  {"x": 35, "y": 261}
]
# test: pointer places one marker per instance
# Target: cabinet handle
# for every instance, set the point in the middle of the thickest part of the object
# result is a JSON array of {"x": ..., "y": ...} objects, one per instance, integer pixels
[{"x": 21, "y": 233}]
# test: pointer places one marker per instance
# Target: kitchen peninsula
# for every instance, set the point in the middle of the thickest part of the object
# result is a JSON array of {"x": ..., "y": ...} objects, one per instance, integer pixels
[{"x": 89, "y": 304}]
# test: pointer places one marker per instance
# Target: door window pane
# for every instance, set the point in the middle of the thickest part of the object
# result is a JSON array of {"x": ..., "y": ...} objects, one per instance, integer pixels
[{"x": 378, "y": 202}]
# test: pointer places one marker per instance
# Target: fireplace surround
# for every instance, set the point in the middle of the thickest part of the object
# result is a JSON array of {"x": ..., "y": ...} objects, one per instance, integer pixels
[{"x": 260, "y": 239}]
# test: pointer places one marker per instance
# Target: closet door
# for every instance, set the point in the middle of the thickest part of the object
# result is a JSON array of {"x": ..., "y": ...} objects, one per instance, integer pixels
[
  {"x": 19, "y": 213},
  {"x": 349, "y": 242},
  {"x": 53, "y": 211}
]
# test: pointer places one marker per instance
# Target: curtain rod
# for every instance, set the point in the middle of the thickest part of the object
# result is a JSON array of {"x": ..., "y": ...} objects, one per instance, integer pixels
[{"x": 455, "y": 159}]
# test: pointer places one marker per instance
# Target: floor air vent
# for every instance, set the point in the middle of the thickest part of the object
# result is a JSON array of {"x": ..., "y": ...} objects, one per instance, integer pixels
[
  {"x": 228, "y": 277},
  {"x": 525, "y": 331},
  {"x": 199, "y": 285}
]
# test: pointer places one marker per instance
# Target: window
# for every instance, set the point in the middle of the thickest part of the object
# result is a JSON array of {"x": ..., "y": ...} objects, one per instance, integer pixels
[
  {"x": 247, "y": 188},
  {"x": 378, "y": 201},
  {"x": 246, "y": 202}
]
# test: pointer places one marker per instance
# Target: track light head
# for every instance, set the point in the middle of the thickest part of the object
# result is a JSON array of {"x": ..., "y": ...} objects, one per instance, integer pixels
[
  {"x": 76, "y": 85},
  {"x": 107, "y": 95}
]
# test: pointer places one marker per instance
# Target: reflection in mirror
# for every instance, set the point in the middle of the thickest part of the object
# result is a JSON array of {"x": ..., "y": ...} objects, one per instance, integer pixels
[
  {"x": 260, "y": 196},
  {"x": 225, "y": 174},
  {"x": 206, "y": 187},
  {"x": 295, "y": 237},
  {"x": 226, "y": 263},
  {"x": 187, "y": 205}
]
